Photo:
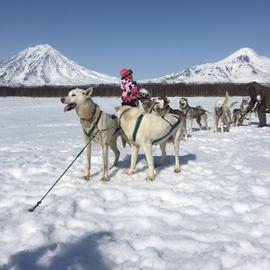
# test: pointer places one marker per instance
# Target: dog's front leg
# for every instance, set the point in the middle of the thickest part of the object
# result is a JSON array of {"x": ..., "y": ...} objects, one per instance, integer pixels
[
  {"x": 228, "y": 125},
  {"x": 191, "y": 124},
  {"x": 105, "y": 162},
  {"x": 134, "y": 157},
  {"x": 185, "y": 130},
  {"x": 147, "y": 147},
  {"x": 176, "y": 145},
  {"x": 222, "y": 126},
  {"x": 214, "y": 124},
  {"x": 87, "y": 173}
]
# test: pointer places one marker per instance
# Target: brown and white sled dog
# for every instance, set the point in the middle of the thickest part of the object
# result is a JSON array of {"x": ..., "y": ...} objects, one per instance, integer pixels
[
  {"x": 191, "y": 113},
  {"x": 162, "y": 107},
  {"x": 147, "y": 129},
  {"x": 146, "y": 100},
  {"x": 96, "y": 124},
  {"x": 222, "y": 113},
  {"x": 241, "y": 116}
]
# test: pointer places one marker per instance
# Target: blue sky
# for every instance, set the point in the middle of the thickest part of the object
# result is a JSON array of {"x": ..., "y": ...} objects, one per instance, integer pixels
[{"x": 153, "y": 38}]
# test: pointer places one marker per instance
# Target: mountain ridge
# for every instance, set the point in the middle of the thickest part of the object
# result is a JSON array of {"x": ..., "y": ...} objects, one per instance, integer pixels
[
  {"x": 242, "y": 66},
  {"x": 44, "y": 65}
]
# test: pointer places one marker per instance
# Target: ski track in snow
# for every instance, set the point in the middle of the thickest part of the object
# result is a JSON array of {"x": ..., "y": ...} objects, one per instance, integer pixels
[{"x": 215, "y": 214}]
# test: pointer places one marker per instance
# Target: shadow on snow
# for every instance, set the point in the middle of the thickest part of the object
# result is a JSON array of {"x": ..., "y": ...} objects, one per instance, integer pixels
[{"x": 83, "y": 254}]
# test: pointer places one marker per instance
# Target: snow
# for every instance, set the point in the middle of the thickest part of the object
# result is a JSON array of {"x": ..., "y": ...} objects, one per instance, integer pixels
[
  {"x": 243, "y": 66},
  {"x": 215, "y": 214},
  {"x": 44, "y": 65}
]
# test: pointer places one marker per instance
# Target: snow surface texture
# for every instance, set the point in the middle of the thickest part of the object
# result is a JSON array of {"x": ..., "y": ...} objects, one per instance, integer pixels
[
  {"x": 243, "y": 66},
  {"x": 214, "y": 215},
  {"x": 43, "y": 65}
]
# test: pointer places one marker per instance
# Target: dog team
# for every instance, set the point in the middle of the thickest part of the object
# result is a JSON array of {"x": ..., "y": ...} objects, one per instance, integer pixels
[{"x": 157, "y": 124}]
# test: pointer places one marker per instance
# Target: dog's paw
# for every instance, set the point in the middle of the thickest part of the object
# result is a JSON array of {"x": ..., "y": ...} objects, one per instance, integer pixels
[
  {"x": 86, "y": 177},
  {"x": 149, "y": 178},
  {"x": 104, "y": 178},
  {"x": 127, "y": 173},
  {"x": 177, "y": 170}
]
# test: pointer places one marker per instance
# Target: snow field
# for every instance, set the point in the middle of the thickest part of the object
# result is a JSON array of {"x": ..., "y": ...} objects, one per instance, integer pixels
[{"x": 215, "y": 214}]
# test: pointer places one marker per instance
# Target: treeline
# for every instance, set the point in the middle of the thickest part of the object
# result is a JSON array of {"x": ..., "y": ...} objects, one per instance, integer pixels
[{"x": 181, "y": 90}]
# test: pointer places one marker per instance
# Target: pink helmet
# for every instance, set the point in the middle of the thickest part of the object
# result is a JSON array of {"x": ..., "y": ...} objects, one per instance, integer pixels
[{"x": 124, "y": 73}]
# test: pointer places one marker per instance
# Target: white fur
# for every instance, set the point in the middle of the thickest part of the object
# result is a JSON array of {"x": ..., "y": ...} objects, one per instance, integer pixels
[
  {"x": 222, "y": 113},
  {"x": 105, "y": 131},
  {"x": 152, "y": 127}
]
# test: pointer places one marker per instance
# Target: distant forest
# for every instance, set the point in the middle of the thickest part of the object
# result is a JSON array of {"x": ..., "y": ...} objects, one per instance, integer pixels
[{"x": 180, "y": 90}]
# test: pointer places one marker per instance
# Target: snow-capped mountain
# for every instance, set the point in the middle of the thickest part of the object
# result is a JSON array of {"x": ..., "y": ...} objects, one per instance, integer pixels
[
  {"x": 44, "y": 65},
  {"x": 243, "y": 66}
]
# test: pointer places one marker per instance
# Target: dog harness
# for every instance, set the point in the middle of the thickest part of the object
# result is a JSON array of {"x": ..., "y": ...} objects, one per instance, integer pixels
[
  {"x": 186, "y": 112},
  {"x": 89, "y": 133},
  {"x": 172, "y": 128},
  {"x": 138, "y": 123}
]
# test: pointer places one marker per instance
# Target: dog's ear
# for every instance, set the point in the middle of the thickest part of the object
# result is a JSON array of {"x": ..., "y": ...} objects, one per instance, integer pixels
[
  {"x": 88, "y": 91},
  {"x": 117, "y": 108}
]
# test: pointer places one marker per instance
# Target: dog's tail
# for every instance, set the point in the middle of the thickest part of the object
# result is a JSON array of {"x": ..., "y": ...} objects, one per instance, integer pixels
[
  {"x": 226, "y": 99},
  {"x": 124, "y": 139}
]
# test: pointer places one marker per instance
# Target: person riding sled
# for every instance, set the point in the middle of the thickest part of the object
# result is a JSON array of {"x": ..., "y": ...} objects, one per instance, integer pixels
[{"x": 130, "y": 92}]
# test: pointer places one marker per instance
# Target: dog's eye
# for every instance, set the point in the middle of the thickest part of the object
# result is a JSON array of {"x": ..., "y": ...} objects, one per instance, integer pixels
[{"x": 73, "y": 95}]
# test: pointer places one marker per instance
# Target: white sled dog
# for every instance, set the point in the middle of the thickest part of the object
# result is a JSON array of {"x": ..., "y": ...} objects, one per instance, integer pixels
[
  {"x": 222, "y": 113},
  {"x": 96, "y": 124},
  {"x": 148, "y": 129}
]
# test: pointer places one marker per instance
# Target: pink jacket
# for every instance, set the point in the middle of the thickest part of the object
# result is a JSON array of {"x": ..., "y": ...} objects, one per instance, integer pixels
[{"x": 130, "y": 91}]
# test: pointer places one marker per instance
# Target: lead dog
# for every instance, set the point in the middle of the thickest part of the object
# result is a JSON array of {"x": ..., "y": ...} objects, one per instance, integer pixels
[
  {"x": 96, "y": 124},
  {"x": 191, "y": 113},
  {"x": 222, "y": 113},
  {"x": 148, "y": 129}
]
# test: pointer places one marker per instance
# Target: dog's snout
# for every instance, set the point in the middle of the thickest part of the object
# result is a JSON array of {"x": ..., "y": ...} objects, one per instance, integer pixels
[{"x": 62, "y": 99}]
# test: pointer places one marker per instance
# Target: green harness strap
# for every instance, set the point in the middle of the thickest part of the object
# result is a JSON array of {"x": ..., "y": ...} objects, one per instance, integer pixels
[
  {"x": 172, "y": 128},
  {"x": 93, "y": 127},
  {"x": 138, "y": 123}
]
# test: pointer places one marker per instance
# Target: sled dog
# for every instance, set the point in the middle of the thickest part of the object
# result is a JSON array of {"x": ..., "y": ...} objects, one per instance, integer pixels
[
  {"x": 191, "y": 113},
  {"x": 241, "y": 115},
  {"x": 146, "y": 129},
  {"x": 162, "y": 107},
  {"x": 222, "y": 113},
  {"x": 146, "y": 100},
  {"x": 96, "y": 124}
]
